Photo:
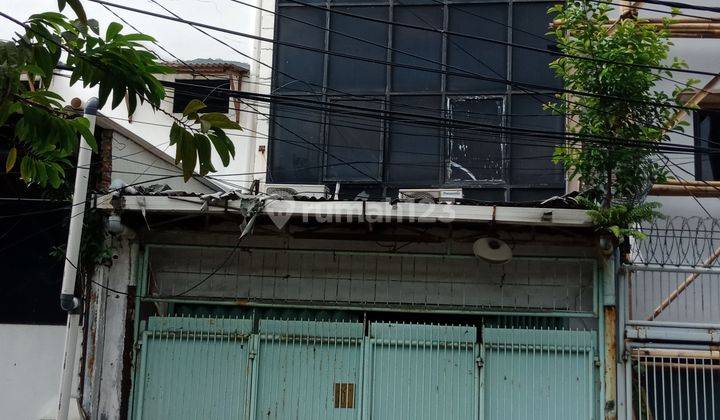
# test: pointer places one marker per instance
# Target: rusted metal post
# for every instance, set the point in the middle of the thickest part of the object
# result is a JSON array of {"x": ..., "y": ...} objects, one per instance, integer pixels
[{"x": 610, "y": 338}]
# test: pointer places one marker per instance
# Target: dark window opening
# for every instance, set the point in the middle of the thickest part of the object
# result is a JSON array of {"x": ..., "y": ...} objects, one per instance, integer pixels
[
  {"x": 707, "y": 138},
  {"x": 476, "y": 154},
  {"x": 214, "y": 93}
]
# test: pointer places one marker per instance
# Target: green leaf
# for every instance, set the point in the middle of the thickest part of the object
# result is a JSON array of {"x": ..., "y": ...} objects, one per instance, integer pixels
[
  {"x": 10, "y": 162},
  {"x": 118, "y": 96},
  {"x": 25, "y": 170},
  {"x": 82, "y": 125},
  {"x": 204, "y": 156},
  {"x": 176, "y": 134},
  {"x": 220, "y": 148},
  {"x": 193, "y": 107},
  {"x": 189, "y": 156},
  {"x": 220, "y": 120},
  {"x": 77, "y": 7},
  {"x": 112, "y": 30},
  {"x": 138, "y": 38},
  {"x": 94, "y": 26}
]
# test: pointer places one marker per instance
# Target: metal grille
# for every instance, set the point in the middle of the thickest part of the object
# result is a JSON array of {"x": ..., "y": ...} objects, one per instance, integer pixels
[
  {"x": 218, "y": 369},
  {"x": 376, "y": 280},
  {"x": 423, "y": 372},
  {"x": 193, "y": 368},
  {"x": 539, "y": 374},
  {"x": 672, "y": 297},
  {"x": 681, "y": 385},
  {"x": 300, "y": 365}
]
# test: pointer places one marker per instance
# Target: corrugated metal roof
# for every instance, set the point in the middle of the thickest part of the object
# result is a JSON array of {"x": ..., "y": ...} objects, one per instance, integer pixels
[{"x": 210, "y": 63}]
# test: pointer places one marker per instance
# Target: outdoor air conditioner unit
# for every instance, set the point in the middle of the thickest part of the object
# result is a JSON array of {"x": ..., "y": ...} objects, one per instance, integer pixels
[
  {"x": 425, "y": 195},
  {"x": 290, "y": 191}
]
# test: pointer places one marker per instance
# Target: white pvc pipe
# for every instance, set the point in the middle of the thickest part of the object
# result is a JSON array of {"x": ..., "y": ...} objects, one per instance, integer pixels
[
  {"x": 68, "y": 300},
  {"x": 68, "y": 367}
]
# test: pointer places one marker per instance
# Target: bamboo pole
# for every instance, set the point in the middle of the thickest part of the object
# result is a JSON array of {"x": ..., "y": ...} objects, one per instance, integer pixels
[
  {"x": 697, "y": 354},
  {"x": 663, "y": 190},
  {"x": 695, "y": 100}
]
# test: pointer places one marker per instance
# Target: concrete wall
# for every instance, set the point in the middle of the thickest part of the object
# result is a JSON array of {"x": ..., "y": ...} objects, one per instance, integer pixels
[
  {"x": 376, "y": 280},
  {"x": 30, "y": 362}
]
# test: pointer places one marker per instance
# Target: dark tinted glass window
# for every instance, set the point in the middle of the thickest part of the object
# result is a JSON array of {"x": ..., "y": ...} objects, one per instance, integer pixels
[
  {"x": 487, "y": 59},
  {"x": 293, "y": 65},
  {"x": 348, "y": 74},
  {"x": 355, "y": 143},
  {"x": 415, "y": 152},
  {"x": 530, "y": 24},
  {"x": 476, "y": 153},
  {"x": 365, "y": 63},
  {"x": 424, "y": 44},
  {"x": 213, "y": 92},
  {"x": 530, "y": 155},
  {"x": 707, "y": 132},
  {"x": 296, "y": 146}
]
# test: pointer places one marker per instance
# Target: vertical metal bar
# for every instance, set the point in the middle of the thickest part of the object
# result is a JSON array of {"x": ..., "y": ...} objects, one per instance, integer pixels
[
  {"x": 687, "y": 387},
  {"x": 143, "y": 368},
  {"x": 480, "y": 396},
  {"x": 672, "y": 391},
  {"x": 695, "y": 381},
  {"x": 628, "y": 388},
  {"x": 713, "y": 362},
  {"x": 647, "y": 389},
  {"x": 655, "y": 387},
  {"x": 365, "y": 397},
  {"x": 254, "y": 363}
]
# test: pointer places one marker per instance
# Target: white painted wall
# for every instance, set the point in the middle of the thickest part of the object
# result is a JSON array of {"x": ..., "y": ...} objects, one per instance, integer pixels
[
  {"x": 134, "y": 164},
  {"x": 261, "y": 78},
  {"x": 30, "y": 362},
  {"x": 154, "y": 127}
]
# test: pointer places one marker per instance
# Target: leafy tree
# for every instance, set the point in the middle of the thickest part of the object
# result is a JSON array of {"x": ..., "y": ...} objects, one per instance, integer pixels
[
  {"x": 46, "y": 133},
  {"x": 616, "y": 176}
]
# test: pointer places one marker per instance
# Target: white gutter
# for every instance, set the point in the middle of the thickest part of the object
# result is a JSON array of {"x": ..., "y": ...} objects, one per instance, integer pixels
[
  {"x": 370, "y": 211},
  {"x": 68, "y": 301}
]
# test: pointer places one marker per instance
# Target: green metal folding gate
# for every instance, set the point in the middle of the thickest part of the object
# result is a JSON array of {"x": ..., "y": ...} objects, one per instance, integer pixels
[{"x": 210, "y": 368}]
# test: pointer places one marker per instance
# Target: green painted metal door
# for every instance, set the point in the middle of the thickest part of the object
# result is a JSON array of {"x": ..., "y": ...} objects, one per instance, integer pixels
[
  {"x": 308, "y": 370},
  {"x": 194, "y": 368},
  {"x": 538, "y": 374},
  {"x": 204, "y": 368},
  {"x": 423, "y": 372}
]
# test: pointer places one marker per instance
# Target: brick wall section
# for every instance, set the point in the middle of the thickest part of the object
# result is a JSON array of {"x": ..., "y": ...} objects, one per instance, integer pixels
[{"x": 105, "y": 166}]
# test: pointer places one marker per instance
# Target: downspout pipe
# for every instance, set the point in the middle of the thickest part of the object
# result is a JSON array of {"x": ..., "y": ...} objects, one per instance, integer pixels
[{"x": 68, "y": 301}]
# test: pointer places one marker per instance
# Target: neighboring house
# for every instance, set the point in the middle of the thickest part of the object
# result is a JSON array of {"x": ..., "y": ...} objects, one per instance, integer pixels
[
  {"x": 33, "y": 229},
  {"x": 210, "y": 80},
  {"x": 671, "y": 288}
]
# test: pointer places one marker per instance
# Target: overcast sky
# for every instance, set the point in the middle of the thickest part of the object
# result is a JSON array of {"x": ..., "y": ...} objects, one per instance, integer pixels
[{"x": 180, "y": 39}]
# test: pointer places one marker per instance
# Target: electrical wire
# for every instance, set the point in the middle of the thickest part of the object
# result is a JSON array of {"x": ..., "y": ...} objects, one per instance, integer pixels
[
  {"x": 195, "y": 24},
  {"x": 463, "y": 35},
  {"x": 679, "y": 5},
  {"x": 198, "y": 25}
]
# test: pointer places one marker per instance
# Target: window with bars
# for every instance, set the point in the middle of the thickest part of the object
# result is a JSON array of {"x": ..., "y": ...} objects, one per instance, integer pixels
[{"x": 402, "y": 106}]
